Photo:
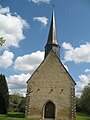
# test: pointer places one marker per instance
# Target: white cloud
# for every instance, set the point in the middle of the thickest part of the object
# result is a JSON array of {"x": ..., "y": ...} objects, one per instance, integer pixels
[
  {"x": 6, "y": 59},
  {"x": 17, "y": 83},
  {"x": 20, "y": 91},
  {"x": 40, "y": 1},
  {"x": 29, "y": 62},
  {"x": 5, "y": 10},
  {"x": 78, "y": 54},
  {"x": 84, "y": 80},
  {"x": 87, "y": 70},
  {"x": 11, "y": 28},
  {"x": 67, "y": 46},
  {"x": 42, "y": 20}
]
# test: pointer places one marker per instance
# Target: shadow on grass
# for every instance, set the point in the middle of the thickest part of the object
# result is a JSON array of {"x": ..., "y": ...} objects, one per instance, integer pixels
[{"x": 16, "y": 115}]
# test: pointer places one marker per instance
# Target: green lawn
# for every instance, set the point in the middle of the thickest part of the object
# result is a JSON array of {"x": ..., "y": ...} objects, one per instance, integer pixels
[
  {"x": 14, "y": 116},
  {"x": 20, "y": 116},
  {"x": 81, "y": 116}
]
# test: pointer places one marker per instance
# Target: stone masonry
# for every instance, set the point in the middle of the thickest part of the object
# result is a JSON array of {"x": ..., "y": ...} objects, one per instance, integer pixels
[{"x": 51, "y": 82}]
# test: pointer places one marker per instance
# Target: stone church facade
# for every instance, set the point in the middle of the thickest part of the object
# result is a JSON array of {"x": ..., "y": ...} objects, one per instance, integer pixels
[{"x": 51, "y": 89}]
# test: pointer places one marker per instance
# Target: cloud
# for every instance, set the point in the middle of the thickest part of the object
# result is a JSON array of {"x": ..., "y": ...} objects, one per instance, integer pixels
[
  {"x": 78, "y": 54},
  {"x": 87, "y": 70},
  {"x": 11, "y": 28},
  {"x": 6, "y": 59},
  {"x": 42, "y": 20},
  {"x": 67, "y": 46},
  {"x": 84, "y": 80},
  {"x": 40, "y": 1},
  {"x": 5, "y": 10},
  {"x": 17, "y": 83},
  {"x": 29, "y": 62}
]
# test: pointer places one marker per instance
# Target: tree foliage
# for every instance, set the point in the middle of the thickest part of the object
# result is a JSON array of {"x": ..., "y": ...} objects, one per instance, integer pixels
[
  {"x": 16, "y": 103},
  {"x": 22, "y": 105},
  {"x": 83, "y": 103},
  {"x": 4, "y": 96},
  {"x": 78, "y": 108},
  {"x": 85, "y": 100}
]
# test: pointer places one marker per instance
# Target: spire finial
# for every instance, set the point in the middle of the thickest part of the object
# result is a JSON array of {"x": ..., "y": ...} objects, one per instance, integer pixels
[{"x": 53, "y": 3}]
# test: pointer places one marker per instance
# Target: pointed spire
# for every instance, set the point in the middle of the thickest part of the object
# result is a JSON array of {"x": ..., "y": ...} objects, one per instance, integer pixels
[
  {"x": 52, "y": 43},
  {"x": 52, "y": 38}
]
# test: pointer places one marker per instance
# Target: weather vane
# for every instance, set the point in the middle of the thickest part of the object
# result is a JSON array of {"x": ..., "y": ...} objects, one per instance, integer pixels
[{"x": 2, "y": 40}]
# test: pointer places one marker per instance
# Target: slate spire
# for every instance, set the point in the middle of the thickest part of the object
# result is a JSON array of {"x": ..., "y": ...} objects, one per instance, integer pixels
[{"x": 52, "y": 42}]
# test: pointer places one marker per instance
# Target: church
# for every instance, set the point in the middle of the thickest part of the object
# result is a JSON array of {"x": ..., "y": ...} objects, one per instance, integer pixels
[{"x": 51, "y": 89}]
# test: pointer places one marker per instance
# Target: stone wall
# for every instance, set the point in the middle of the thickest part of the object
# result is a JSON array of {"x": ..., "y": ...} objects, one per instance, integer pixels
[{"x": 51, "y": 81}]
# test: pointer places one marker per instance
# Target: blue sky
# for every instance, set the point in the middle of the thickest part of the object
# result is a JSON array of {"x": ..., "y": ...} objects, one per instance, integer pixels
[{"x": 25, "y": 26}]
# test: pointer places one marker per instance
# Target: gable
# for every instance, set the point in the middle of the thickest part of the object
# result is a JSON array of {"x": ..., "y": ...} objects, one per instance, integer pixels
[{"x": 51, "y": 67}]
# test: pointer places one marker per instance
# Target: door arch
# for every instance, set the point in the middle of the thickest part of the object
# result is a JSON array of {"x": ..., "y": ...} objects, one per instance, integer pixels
[{"x": 49, "y": 110}]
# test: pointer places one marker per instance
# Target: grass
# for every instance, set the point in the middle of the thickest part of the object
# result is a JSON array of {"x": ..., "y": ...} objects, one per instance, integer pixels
[
  {"x": 20, "y": 116},
  {"x": 14, "y": 116},
  {"x": 81, "y": 116}
]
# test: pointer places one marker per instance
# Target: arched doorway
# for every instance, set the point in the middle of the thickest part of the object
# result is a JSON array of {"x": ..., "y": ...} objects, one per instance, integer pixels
[{"x": 49, "y": 110}]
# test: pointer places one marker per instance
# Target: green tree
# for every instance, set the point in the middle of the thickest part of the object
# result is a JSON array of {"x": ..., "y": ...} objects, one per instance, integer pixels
[
  {"x": 22, "y": 105},
  {"x": 78, "y": 108},
  {"x": 85, "y": 100},
  {"x": 16, "y": 103},
  {"x": 4, "y": 95}
]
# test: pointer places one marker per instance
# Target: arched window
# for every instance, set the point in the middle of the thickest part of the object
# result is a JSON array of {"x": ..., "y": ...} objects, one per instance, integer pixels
[{"x": 49, "y": 111}]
